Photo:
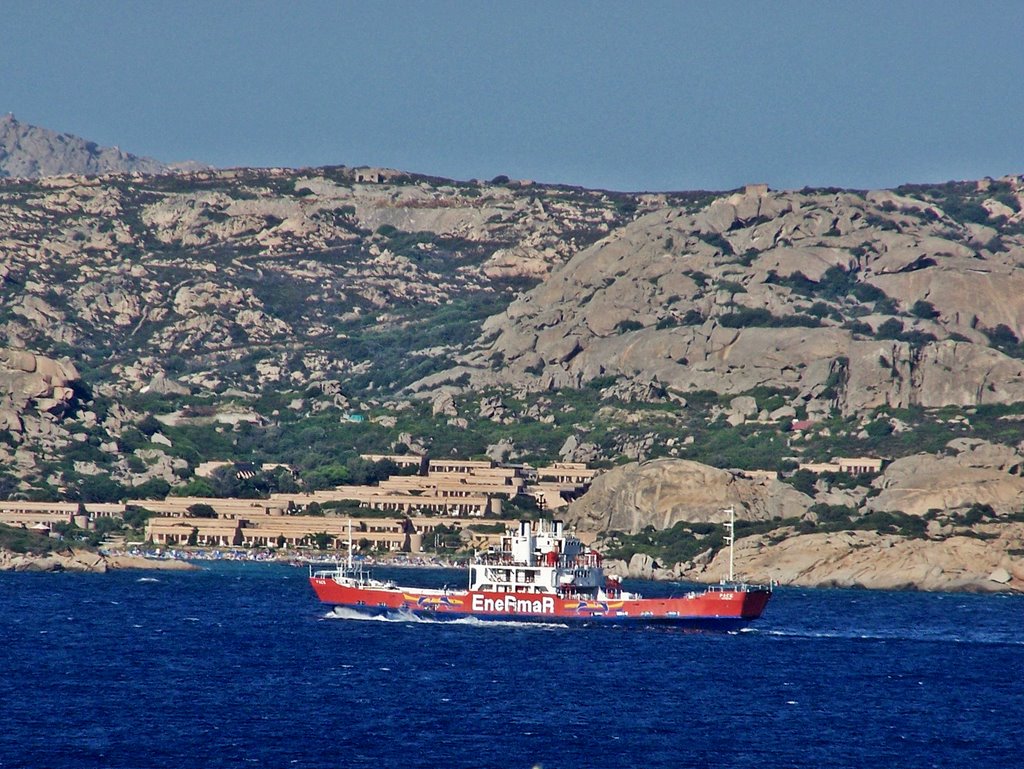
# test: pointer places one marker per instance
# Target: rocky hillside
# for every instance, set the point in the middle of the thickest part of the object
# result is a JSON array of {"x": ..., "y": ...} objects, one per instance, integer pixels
[
  {"x": 850, "y": 300},
  {"x": 249, "y": 298},
  {"x": 31, "y": 152},
  {"x": 928, "y": 522},
  {"x": 151, "y": 323}
]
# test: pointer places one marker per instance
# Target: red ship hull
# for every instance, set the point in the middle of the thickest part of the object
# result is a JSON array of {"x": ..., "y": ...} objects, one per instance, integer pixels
[{"x": 720, "y": 607}]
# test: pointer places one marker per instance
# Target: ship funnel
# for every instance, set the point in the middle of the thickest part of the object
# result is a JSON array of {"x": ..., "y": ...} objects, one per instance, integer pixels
[
  {"x": 524, "y": 528},
  {"x": 558, "y": 528}
]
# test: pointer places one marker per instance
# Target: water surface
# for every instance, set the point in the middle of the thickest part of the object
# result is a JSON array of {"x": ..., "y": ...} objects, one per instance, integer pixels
[{"x": 238, "y": 665}]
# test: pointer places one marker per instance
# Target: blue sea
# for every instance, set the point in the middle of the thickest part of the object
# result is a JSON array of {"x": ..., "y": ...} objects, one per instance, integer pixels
[{"x": 238, "y": 665}]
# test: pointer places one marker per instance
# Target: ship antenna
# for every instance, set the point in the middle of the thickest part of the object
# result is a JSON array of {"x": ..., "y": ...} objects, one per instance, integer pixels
[
  {"x": 350, "y": 544},
  {"x": 731, "y": 538}
]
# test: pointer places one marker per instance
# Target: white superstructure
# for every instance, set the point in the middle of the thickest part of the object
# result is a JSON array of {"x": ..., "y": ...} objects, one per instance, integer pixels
[{"x": 545, "y": 560}]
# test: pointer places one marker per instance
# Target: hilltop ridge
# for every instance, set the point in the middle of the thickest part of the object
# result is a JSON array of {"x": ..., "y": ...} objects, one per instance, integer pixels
[{"x": 32, "y": 152}]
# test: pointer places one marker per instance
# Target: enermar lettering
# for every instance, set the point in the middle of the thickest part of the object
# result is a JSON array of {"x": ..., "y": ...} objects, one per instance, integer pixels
[{"x": 511, "y": 603}]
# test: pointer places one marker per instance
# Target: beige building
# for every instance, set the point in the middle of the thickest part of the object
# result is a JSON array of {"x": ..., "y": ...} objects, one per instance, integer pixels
[
  {"x": 394, "y": 534},
  {"x": 404, "y": 461},
  {"x": 851, "y": 465},
  {"x": 177, "y": 507},
  {"x": 460, "y": 466},
  {"x": 23, "y": 514},
  {"x": 567, "y": 472}
]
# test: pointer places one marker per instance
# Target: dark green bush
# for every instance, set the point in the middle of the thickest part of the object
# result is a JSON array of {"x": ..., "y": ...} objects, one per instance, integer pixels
[{"x": 925, "y": 310}]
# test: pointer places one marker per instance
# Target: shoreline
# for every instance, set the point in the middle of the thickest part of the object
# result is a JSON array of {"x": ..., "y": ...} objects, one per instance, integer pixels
[
  {"x": 295, "y": 558},
  {"x": 72, "y": 560}
]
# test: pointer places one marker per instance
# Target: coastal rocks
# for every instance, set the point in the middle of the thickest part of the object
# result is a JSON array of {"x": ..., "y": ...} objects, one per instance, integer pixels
[
  {"x": 662, "y": 492},
  {"x": 63, "y": 560},
  {"x": 639, "y": 566},
  {"x": 501, "y": 451},
  {"x": 494, "y": 409},
  {"x": 641, "y": 391},
  {"x": 444, "y": 404},
  {"x": 84, "y": 561},
  {"x": 1000, "y": 576},
  {"x": 879, "y": 561},
  {"x": 935, "y": 374},
  {"x": 148, "y": 564},
  {"x": 162, "y": 385},
  {"x": 642, "y": 566},
  {"x": 243, "y": 278}
]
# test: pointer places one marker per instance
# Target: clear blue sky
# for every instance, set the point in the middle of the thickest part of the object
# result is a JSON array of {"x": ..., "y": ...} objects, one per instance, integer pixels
[{"x": 629, "y": 95}]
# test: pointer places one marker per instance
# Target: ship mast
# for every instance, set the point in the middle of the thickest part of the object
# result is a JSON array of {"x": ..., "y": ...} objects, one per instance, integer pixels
[
  {"x": 731, "y": 538},
  {"x": 350, "y": 544}
]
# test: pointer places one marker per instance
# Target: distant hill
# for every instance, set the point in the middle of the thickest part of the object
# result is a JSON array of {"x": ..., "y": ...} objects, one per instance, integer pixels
[{"x": 31, "y": 152}]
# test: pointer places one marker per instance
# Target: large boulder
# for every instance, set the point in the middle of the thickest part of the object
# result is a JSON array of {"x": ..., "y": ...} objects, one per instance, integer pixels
[
  {"x": 30, "y": 382},
  {"x": 663, "y": 491},
  {"x": 976, "y": 472}
]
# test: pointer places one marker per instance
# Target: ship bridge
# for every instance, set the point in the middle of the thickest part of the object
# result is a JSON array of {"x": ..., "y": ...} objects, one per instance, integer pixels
[{"x": 541, "y": 561}]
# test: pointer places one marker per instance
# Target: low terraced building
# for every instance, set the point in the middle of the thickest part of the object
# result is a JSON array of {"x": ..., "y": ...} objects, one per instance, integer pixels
[{"x": 393, "y": 534}]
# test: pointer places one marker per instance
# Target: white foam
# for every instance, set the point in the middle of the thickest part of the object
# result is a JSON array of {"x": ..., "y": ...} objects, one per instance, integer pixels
[{"x": 341, "y": 612}]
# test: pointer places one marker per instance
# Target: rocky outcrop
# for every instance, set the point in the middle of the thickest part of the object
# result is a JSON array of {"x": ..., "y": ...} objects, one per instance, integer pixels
[
  {"x": 256, "y": 295},
  {"x": 662, "y": 492},
  {"x": 78, "y": 560},
  {"x": 973, "y": 472},
  {"x": 761, "y": 289},
  {"x": 33, "y": 386},
  {"x": 878, "y": 561}
]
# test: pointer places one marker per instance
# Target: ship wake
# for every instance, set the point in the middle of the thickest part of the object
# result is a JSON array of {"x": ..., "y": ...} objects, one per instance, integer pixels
[{"x": 344, "y": 613}]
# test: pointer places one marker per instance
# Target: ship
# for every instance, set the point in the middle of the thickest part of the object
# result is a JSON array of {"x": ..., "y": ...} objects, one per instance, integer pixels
[{"x": 540, "y": 573}]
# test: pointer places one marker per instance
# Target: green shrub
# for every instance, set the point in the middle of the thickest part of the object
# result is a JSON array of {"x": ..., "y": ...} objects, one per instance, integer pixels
[
  {"x": 100, "y": 488},
  {"x": 715, "y": 240},
  {"x": 879, "y": 428},
  {"x": 201, "y": 510},
  {"x": 890, "y": 329},
  {"x": 19, "y": 540},
  {"x": 803, "y": 481},
  {"x": 925, "y": 310},
  {"x": 136, "y": 517},
  {"x": 833, "y": 513},
  {"x": 892, "y": 523},
  {"x": 751, "y": 317},
  {"x": 747, "y": 317},
  {"x": 154, "y": 488},
  {"x": 731, "y": 286}
]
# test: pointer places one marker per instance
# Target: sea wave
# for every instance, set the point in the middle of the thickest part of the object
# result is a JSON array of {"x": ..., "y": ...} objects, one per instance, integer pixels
[{"x": 899, "y": 635}]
